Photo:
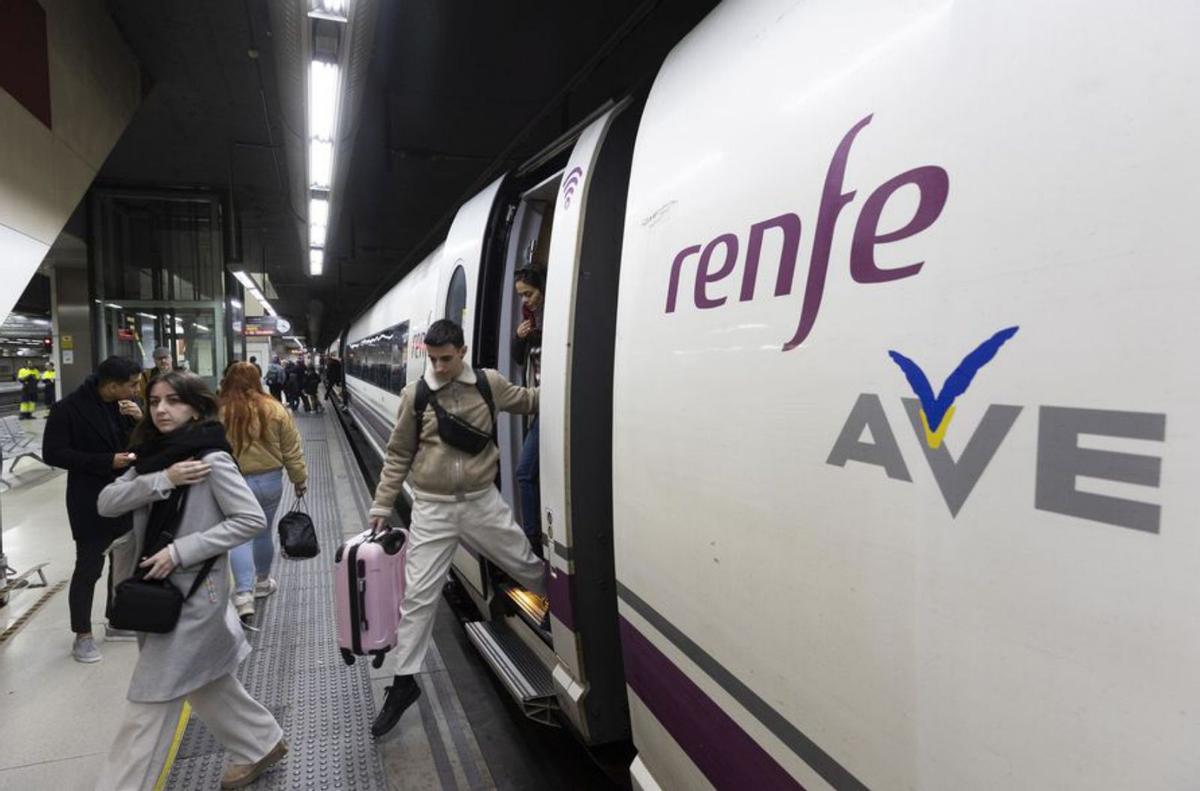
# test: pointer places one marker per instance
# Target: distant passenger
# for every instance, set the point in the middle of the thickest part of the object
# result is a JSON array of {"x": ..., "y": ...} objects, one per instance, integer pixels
[
  {"x": 49, "y": 382},
  {"x": 265, "y": 442},
  {"x": 333, "y": 376},
  {"x": 254, "y": 362},
  {"x": 29, "y": 376},
  {"x": 275, "y": 379},
  {"x": 312, "y": 381},
  {"x": 293, "y": 383},
  {"x": 162, "y": 362},
  {"x": 452, "y": 469},
  {"x": 87, "y": 434},
  {"x": 181, "y": 450},
  {"x": 527, "y": 351}
]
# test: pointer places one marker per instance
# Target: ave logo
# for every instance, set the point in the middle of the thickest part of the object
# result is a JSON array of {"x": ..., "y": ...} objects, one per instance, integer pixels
[{"x": 1061, "y": 458}]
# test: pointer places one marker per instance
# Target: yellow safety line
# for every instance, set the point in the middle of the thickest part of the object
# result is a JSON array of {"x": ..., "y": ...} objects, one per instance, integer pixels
[{"x": 184, "y": 713}]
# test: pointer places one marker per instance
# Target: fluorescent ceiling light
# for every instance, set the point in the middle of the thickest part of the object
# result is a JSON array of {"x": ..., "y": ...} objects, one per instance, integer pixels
[
  {"x": 316, "y": 236},
  {"x": 270, "y": 310},
  {"x": 200, "y": 327},
  {"x": 235, "y": 303},
  {"x": 326, "y": 9},
  {"x": 147, "y": 315},
  {"x": 318, "y": 211},
  {"x": 320, "y": 164},
  {"x": 113, "y": 305},
  {"x": 322, "y": 99},
  {"x": 316, "y": 261}
]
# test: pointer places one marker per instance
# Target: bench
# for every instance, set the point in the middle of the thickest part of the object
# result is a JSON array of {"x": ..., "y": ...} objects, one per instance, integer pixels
[{"x": 16, "y": 443}]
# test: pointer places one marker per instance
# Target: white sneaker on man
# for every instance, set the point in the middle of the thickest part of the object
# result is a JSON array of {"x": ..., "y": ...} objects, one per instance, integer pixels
[
  {"x": 264, "y": 588},
  {"x": 85, "y": 650},
  {"x": 244, "y": 604}
]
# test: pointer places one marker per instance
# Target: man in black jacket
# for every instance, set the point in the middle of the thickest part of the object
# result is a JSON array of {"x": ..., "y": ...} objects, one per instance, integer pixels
[{"x": 87, "y": 434}]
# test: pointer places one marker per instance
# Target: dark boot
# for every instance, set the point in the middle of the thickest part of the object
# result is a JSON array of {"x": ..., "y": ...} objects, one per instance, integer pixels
[{"x": 400, "y": 695}]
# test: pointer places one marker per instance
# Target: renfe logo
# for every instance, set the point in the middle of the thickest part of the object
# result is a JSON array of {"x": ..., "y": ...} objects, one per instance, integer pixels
[{"x": 932, "y": 182}]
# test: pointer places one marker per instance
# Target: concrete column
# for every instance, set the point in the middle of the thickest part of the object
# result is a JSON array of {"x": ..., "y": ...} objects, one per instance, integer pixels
[{"x": 70, "y": 309}]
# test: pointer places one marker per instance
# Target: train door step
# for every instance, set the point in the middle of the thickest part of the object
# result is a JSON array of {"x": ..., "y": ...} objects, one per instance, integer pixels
[{"x": 518, "y": 668}]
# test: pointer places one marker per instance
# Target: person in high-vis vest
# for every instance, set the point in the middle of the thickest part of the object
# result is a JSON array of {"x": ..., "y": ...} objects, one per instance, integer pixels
[
  {"x": 29, "y": 377},
  {"x": 49, "y": 383}
]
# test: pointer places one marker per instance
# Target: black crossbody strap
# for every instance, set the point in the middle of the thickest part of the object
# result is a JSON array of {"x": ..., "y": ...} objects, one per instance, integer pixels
[
  {"x": 204, "y": 570},
  {"x": 485, "y": 389},
  {"x": 420, "y": 401}
]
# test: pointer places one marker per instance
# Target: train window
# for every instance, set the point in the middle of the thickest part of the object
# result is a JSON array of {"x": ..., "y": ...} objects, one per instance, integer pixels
[
  {"x": 381, "y": 359},
  {"x": 456, "y": 296}
]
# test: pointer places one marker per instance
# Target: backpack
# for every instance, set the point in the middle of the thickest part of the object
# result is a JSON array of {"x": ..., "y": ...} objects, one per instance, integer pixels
[
  {"x": 273, "y": 374},
  {"x": 423, "y": 395}
]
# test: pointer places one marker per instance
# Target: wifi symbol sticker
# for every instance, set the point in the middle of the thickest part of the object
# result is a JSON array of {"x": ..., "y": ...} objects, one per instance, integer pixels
[{"x": 570, "y": 185}]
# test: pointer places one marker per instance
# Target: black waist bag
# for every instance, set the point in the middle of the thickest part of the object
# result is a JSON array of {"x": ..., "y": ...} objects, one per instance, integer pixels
[
  {"x": 297, "y": 534},
  {"x": 458, "y": 433},
  {"x": 142, "y": 605}
]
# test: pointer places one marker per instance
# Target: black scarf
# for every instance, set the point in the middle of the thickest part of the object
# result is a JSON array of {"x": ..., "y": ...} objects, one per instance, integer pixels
[
  {"x": 194, "y": 441},
  {"x": 188, "y": 442}
]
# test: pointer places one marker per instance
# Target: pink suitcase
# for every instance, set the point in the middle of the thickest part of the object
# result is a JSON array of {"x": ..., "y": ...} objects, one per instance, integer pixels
[{"x": 368, "y": 590}]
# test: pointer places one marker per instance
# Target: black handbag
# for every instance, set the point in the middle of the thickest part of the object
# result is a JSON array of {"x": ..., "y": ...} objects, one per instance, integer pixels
[
  {"x": 297, "y": 534},
  {"x": 457, "y": 432},
  {"x": 142, "y": 605}
]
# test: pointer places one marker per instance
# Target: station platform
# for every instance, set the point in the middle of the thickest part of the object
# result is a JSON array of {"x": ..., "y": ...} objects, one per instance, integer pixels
[{"x": 58, "y": 717}]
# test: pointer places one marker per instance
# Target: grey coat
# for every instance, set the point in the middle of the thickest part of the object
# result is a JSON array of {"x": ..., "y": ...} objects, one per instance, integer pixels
[{"x": 220, "y": 514}]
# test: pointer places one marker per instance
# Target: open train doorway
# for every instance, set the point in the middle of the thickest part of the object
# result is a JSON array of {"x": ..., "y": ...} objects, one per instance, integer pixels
[{"x": 517, "y": 356}]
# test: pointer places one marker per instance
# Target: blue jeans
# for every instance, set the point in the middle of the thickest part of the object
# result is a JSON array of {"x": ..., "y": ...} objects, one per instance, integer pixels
[
  {"x": 258, "y": 552},
  {"x": 528, "y": 482}
]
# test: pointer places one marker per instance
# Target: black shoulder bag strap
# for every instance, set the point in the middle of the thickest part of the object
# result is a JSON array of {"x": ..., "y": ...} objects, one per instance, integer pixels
[
  {"x": 166, "y": 535},
  {"x": 485, "y": 389},
  {"x": 420, "y": 402},
  {"x": 203, "y": 575}
]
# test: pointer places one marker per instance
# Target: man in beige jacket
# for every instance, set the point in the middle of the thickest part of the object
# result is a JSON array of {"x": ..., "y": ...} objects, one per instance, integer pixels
[{"x": 455, "y": 495}]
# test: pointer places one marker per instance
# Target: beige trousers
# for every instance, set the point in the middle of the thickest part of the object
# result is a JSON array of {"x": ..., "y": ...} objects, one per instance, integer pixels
[
  {"x": 486, "y": 523},
  {"x": 139, "y": 752}
]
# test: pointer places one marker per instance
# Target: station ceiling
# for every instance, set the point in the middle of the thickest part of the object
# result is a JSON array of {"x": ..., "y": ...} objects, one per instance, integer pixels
[{"x": 457, "y": 93}]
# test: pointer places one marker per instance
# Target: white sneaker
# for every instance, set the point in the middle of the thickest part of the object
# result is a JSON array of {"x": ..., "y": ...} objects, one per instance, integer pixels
[
  {"x": 264, "y": 588},
  {"x": 244, "y": 604},
  {"x": 85, "y": 650}
]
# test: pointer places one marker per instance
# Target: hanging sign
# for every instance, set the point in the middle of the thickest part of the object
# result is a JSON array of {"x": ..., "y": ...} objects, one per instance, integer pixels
[{"x": 266, "y": 326}]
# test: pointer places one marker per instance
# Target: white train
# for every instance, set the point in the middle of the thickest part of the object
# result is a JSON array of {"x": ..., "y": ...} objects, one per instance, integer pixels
[{"x": 784, "y": 553}]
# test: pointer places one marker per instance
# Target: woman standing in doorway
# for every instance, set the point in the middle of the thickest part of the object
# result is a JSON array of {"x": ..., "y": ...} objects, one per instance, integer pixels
[
  {"x": 527, "y": 351},
  {"x": 190, "y": 506},
  {"x": 265, "y": 442}
]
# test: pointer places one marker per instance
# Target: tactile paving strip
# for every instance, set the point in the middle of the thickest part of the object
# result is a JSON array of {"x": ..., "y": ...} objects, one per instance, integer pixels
[{"x": 296, "y": 671}]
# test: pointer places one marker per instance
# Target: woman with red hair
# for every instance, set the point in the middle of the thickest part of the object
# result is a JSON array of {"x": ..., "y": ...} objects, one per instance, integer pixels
[{"x": 265, "y": 442}]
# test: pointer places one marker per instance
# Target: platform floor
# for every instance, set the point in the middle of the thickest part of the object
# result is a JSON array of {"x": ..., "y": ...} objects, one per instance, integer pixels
[{"x": 57, "y": 716}]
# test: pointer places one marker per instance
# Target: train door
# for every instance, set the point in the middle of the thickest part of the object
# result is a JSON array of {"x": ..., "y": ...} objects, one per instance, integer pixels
[{"x": 576, "y": 419}]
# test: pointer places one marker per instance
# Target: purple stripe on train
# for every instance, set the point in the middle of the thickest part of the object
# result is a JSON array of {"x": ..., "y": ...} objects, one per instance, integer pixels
[
  {"x": 719, "y": 747},
  {"x": 559, "y": 589}
]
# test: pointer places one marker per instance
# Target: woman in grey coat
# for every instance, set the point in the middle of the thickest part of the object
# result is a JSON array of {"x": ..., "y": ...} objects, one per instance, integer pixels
[{"x": 183, "y": 462}]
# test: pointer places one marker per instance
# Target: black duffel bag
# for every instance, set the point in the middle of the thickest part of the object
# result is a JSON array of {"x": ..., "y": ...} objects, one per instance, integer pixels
[
  {"x": 142, "y": 605},
  {"x": 297, "y": 534}
]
